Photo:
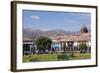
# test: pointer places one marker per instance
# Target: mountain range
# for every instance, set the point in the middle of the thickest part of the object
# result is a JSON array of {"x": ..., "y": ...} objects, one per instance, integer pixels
[{"x": 34, "y": 33}]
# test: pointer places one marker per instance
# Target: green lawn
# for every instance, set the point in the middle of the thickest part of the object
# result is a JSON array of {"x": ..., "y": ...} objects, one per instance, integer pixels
[
  {"x": 40, "y": 57},
  {"x": 56, "y": 57}
]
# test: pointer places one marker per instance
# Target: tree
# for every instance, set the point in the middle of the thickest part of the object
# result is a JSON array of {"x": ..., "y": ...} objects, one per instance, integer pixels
[
  {"x": 83, "y": 47},
  {"x": 43, "y": 43}
]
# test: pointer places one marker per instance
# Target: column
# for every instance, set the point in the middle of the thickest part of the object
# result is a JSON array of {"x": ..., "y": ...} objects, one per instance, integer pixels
[
  {"x": 30, "y": 47},
  {"x": 59, "y": 47}
]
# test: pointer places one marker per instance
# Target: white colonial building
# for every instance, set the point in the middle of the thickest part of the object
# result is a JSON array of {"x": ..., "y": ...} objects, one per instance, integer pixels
[{"x": 71, "y": 42}]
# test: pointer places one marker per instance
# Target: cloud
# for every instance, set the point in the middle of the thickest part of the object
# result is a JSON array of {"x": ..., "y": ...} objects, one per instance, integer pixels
[
  {"x": 35, "y": 17},
  {"x": 81, "y": 15},
  {"x": 44, "y": 27}
]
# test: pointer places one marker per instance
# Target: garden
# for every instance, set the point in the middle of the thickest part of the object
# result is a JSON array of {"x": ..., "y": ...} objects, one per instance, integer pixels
[
  {"x": 43, "y": 43},
  {"x": 56, "y": 57}
]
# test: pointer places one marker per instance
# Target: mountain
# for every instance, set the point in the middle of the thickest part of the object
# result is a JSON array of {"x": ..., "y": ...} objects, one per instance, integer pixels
[
  {"x": 55, "y": 33},
  {"x": 32, "y": 33}
]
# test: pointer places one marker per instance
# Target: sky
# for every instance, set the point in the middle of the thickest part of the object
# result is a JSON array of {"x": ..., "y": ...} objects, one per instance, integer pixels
[{"x": 53, "y": 20}]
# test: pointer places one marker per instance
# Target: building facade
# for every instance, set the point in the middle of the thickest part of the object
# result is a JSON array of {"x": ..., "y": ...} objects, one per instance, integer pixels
[{"x": 62, "y": 43}]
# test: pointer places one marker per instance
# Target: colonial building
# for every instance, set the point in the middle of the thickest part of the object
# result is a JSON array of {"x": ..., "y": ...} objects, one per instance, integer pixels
[
  {"x": 84, "y": 29},
  {"x": 27, "y": 46},
  {"x": 63, "y": 43}
]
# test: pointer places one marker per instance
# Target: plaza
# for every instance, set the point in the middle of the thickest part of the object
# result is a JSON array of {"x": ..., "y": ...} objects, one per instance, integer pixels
[{"x": 70, "y": 42}]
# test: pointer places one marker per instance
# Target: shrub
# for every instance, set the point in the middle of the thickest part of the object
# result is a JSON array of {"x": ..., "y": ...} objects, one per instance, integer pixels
[
  {"x": 62, "y": 57},
  {"x": 83, "y": 48}
]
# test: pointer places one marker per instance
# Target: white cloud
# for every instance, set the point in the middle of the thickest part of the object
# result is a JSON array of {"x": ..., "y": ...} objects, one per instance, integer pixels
[
  {"x": 81, "y": 15},
  {"x": 35, "y": 17}
]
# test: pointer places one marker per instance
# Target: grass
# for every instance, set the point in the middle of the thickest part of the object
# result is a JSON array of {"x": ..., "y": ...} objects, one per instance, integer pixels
[
  {"x": 56, "y": 57},
  {"x": 83, "y": 55},
  {"x": 40, "y": 57}
]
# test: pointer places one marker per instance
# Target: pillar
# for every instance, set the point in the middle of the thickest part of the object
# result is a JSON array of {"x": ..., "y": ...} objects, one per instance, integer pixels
[{"x": 30, "y": 49}]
